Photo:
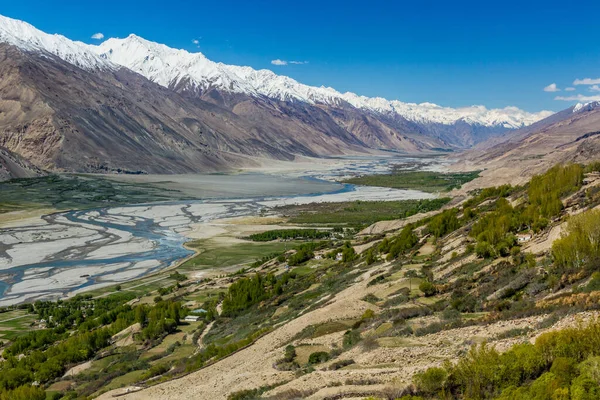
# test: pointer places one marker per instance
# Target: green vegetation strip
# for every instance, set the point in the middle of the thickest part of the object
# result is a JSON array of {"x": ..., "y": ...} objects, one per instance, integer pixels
[
  {"x": 358, "y": 213},
  {"x": 287, "y": 234},
  {"x": 426, "y": 181},
  {"x": 77, "y": 192}
]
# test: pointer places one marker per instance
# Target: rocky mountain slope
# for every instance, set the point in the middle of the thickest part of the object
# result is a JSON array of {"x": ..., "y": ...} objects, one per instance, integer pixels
[
  {"x": 197, "y": 76},
  {"x": 130, "y": 105},
  {"x": 572, "y": 135},
  {"x": 13, "y": 166}
]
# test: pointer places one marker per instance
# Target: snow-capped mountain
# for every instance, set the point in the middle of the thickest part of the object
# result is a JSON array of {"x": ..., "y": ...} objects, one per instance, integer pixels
[
  {"x": 27, "y": 37},
  {"x": 131, "y": 105},
  {"x": 168, "y": 67},
  {"x": 586, "y": 106}
]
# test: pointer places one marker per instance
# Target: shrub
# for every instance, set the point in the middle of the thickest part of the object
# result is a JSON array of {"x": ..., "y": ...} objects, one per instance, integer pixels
[
  {"x": 290, "y": 353},
  {"x": 340, "y": 364},
  {"x": 427, "y": 288},
  {"x": 351, "y": 338},
  {"x": 368, "y": 314},
  {"x": 450, "y": 313},
  {"x": 371, "y": 298},
  {"x": 318, "y": 357},
  {"x": 431, "y": 381}
]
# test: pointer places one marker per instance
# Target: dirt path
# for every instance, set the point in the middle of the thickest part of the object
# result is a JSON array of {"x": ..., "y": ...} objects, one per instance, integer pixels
[{"x": 200, "y": 342}]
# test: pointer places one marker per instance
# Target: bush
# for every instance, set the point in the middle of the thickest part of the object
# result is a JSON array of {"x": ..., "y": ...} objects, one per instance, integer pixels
[
  {"x": 427, "y": 288},
  {"x": 351, "y": 338},
  {"x": 318, "y": 357},
  {"x": 484, "y": 250},
  {"x": 450, "y": 313},
  {"x": 431, "y": 381},
  {"x": 340, "y": 364},
  {"x": 371, "y": 298},
  {"x": 290, "y": 353},
  {"x": 368, "y": 314}
]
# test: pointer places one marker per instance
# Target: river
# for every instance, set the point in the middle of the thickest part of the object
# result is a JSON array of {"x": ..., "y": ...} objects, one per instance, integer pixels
[{"x": 67, "y": 253}]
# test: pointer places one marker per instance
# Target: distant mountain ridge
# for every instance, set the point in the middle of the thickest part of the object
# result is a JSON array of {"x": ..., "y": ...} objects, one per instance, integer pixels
[
  {"x": 199, "y": 115},
  {"x": 571, "y": 135},
  {"x": 170, "y": 67}
]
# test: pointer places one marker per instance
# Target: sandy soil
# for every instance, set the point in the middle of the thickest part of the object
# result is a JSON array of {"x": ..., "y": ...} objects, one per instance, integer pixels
[
  {"x": 125, "y": 337},
  {"x": 25, "y": 217},
  {"x": 544, "y": 243},
  {"x": 77, "y": 369}
]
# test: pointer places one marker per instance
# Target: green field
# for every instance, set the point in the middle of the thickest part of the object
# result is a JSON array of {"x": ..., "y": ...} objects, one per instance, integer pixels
[
  {"x": 15, "y": 323},
  {"x": 77, "y": 192},
  {"x": 358, "y": 212},
  {"x": 426, "y": 181},
  {"x": 215, "y": 253}
]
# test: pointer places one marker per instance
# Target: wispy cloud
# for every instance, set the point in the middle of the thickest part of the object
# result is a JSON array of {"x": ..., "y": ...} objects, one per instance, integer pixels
[
  {"x": 578, "y": 97},
  {"x": 98, "y": 36},
  {"x": 285, "y": 62},
  {"x": 551, "y": 88},
  {"x": 570, "y": 89},
  {"x": 595, "y": 88},
  {"x": 586, "y": 81},
  {"x": 196, "y": 41}
]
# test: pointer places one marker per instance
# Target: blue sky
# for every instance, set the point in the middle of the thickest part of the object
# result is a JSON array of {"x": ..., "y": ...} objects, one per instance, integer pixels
[{"x": 453, "y": 53}]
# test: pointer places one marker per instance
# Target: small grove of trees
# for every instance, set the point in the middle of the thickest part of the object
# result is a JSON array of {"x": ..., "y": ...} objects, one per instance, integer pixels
[
  {"x": 560, "y": 365},
  {"x": 400, "y": 244},
  {"x": 489, "y": 193},
  {"x": 546, "y": 190},
  {"x": 160, "y": 320},
  {"x": 246, "y": 292},
  {"x": 348, "y": 252},
  {"x": 580, "y": 245},
  {"x": 444, "y": 223},
  {"x": 288, "y": 234},
  {"x": 495, "y": 231}
]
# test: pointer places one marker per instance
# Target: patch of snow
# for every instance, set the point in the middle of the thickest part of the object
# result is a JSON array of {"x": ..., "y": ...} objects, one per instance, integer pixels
[
  {"x": 172, "y": 68},
  {"x": 27, "y": 37}
]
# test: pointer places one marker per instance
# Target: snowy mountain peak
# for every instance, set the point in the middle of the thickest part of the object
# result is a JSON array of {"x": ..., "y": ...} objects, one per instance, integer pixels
[
  {"x": 585, "y": 106},
  {"x": 171, "y": 67},
  {"x": 167, "y": 67},
  {"x": 27, "y": 37}
]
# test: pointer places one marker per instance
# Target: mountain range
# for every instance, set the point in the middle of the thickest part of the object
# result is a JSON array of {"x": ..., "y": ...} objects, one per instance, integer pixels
[
  {"x": 571, "y": 135},
  {"x": 135, "y": 106}
]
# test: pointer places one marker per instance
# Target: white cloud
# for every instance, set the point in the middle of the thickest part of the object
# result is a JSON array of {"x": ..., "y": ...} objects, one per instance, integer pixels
[
  {"x": 98, "y": 36},
  {"x": 578, "y": 97},
  {"x": 551, "y": 88},
  {"x": 196, "y": 41},
  {"x": 586, "y": 81},
  {"x": 285, "y": 62},
  {"x": 569, "y": 89},
  {"x": 595, "y": 88}
]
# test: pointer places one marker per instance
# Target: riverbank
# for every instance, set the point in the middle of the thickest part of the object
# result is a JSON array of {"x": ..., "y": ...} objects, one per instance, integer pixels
[{"x": 62, "y": 254}]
